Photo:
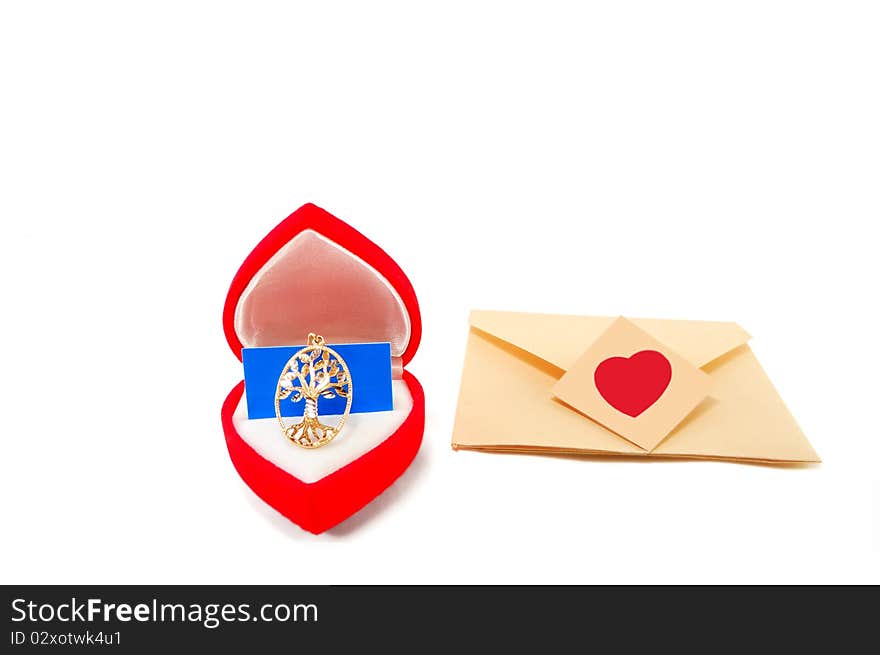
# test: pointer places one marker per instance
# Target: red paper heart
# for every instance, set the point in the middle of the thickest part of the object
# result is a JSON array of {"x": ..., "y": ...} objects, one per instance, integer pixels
[{"x": 631, "y": 385}]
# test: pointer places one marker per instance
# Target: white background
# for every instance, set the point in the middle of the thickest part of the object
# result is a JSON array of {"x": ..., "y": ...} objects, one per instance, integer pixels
[{"x": 681, "y": 160}]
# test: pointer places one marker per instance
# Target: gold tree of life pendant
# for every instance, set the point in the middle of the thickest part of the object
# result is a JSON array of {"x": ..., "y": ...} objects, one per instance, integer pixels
[{"x": 314, "y": 372}]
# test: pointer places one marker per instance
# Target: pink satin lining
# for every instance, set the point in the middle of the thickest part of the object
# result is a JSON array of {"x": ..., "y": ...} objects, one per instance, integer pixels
[{"x": 314, "y": 285}]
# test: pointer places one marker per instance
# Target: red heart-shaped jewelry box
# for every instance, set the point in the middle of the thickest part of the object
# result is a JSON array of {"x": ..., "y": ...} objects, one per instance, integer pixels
[{"x": 315, "y": 273}]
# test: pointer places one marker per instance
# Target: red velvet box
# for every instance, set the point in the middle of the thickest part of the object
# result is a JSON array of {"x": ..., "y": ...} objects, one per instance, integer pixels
[{"x": 315, "y": 273}]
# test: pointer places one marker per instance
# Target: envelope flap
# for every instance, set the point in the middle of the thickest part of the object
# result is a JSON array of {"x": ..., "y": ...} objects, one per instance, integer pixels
[{"x": 560, "y": 339}]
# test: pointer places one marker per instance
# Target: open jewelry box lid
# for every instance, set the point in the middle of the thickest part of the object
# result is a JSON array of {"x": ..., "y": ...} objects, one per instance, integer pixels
[{"x": 315, "y": 273}]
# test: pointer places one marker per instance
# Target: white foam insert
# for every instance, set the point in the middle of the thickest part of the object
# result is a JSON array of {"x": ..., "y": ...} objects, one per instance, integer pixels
[{"x": 362, "y": 433}]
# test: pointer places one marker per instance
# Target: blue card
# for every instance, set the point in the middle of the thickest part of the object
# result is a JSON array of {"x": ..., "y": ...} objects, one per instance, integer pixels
[{"x": 368, "y": 363}]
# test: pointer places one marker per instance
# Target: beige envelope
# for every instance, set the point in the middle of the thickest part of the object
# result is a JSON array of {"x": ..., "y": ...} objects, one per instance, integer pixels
[{"x": 514, "y": 359}]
